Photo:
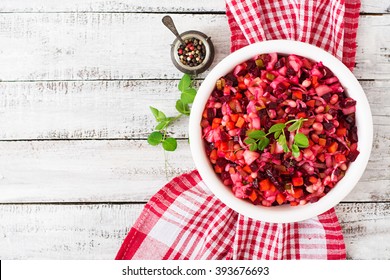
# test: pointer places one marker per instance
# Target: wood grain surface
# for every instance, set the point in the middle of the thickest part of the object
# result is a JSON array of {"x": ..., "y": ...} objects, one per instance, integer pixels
[
  {"x": 95, "y": 231},
  {"x": 142, "y": 6},
  {"x": 114, "y": 109},
  {"x": 76, "y": 80},
  {"x": 135, "y": 45}
]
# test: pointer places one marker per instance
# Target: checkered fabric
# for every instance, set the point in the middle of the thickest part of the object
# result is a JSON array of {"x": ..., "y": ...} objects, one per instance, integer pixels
[
  {"x": 328, "y": 24},
  {"x": 184, "y": 220}
]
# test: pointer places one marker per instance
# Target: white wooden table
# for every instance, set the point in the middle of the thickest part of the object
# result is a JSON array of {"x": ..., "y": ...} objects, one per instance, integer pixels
[{"x": 76, "y": 80}]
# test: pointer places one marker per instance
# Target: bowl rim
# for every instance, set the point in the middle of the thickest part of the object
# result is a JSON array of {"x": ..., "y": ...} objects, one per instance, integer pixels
[{"x": 284, "y": 213}]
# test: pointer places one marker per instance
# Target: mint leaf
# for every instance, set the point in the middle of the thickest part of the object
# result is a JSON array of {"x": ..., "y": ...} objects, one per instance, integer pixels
[
  {"x": 253, "y": 147},
  {"x": 158, "y": 115},
  {"x": 301, "y": 140},
  {"x": 294, "y": 126},
  {"x": 184, "y": 83},
  {"x": 277, "y": 134},
  {"x": 295, "y": 151},
  {"x": 188, "y": 96},
  {"x": 276, "y": 127},
  {"x": 282, "y": 141},
  {"x": 169, "y": 144},
  {"x": 263, "y": 143},
  {"x": 161, "y": 116},
  {"x": 249, "y": 141},
  {"x": 155, "y": 138},
  {"x": 154, "y": 112},
  {"x": 256, "y": 134},
  {"x": 182, "y": 108},
  {"x": 162, "y": 125}
]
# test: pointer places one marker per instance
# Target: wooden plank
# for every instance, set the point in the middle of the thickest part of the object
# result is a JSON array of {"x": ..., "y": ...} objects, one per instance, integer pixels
[
  {"x": 138, "y": 6},
  {"x": 86, "y": 170},
  {"x": 64, "y": 231},
  {"x": 87, "y": 110},
  {"x": 127, "y": 171},
  {"x": 97, "y": 231},
  {"x": 381, "y": 6},
  {"x": 112, "y": 109},
  {"x": 378, "y": 6},
  {"x": 90, "y": 46},
  {"x": 366, "y": 228}
]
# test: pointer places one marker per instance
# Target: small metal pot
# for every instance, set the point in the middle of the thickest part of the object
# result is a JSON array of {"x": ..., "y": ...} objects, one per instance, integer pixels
[{"x": 209, "y": 57}]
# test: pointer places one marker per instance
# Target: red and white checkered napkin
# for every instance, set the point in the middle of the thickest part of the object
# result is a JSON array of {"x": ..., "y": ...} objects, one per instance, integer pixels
[
  {"x": 184, "y": 220},
  {"x": 328, "y": 24}
]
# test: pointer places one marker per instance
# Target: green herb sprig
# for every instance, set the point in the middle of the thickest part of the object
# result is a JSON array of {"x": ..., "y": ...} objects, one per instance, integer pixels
[
  {"x": 257, "y": 139},
  {"x": 160, "y": 133}
]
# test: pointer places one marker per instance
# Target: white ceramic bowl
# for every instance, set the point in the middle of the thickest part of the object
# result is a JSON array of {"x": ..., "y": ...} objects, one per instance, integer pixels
[{"x": 283, "y": 213}]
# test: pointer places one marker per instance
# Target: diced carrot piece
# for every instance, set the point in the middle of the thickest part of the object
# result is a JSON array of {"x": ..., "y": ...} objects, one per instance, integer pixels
[
  {"x": 333, "y": 147},
  {"x": 247, "y": 169},
  {"x": 234, "y": 117},
  {"x": 231, "y": 156},
  {"x": 238, "y": 95},
  {"x": 340, "y": 158},
  {"x": 213, "y": 156},
  {"x": 311, "y": 103},
  {"x": 301, "y": 115},
  {"x": 232, "y": 170},
  {"x": 249, "y": 179},
  {"x": 293, "y": 203},
  {"x": 240, "y": 122},
  {"x": 273, "y": 188},
  {"x": 224, "y": 146},
  {"x": 314, "y": 81},
  {"x": 297, "y": 94},
  {"x": 216, "y": 123},
  {"x": 297, "y": 193},
  {"x": 217, "y": 169},
  {"x": 313, "y": 179},
  {"x": 241, "y": 85},
  {"x": 341, "y": 132},
  {"x": 217, "y": 120},
  {"x": 253, "y": 196},
  {"x": 322, "y": 142},
  {"x": 297, "y": 181},
  {"x": 265, "y": 185},
  {"x": 230, "y": 125},
  {"x": 321, "y": 157},
  {"x": 280, "y": 198}
]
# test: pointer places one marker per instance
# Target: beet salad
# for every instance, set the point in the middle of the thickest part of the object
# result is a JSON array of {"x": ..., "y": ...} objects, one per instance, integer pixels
[{"x": 280, "y": 129}]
